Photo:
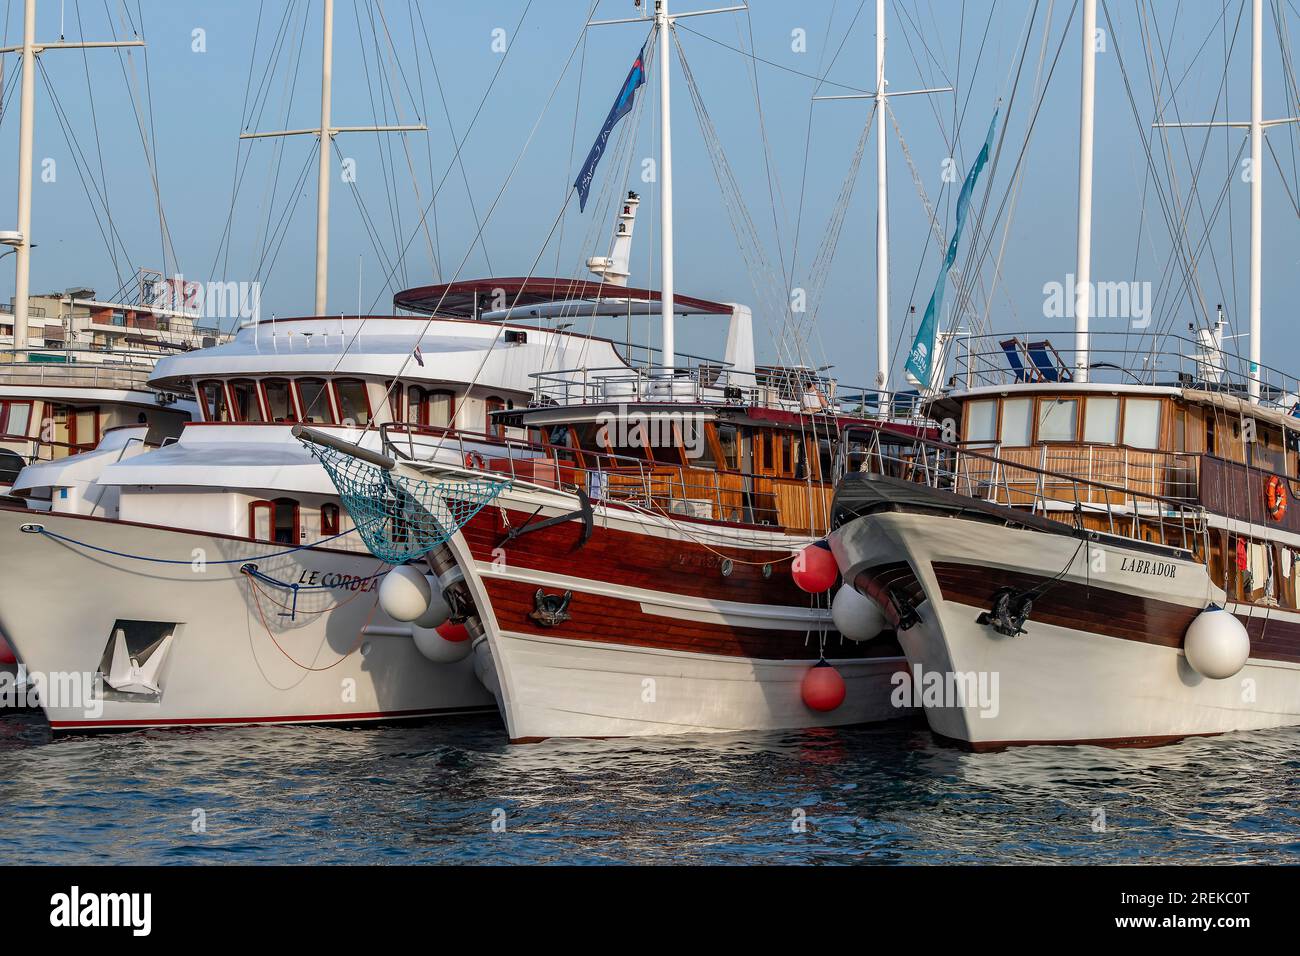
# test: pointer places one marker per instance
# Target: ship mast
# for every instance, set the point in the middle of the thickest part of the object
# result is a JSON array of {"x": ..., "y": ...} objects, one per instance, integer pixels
[
  {"x": 881, "y": 96},
  {"x": 22, "y": 242},
  {"x": 325, "y": 134},
  {"x": 667, "y": 316},
  {"x": 882, "y": 211},
  {"x": 1083, "y": 251},
  {"x": 1257, "y": 125},
  {"x": 663, "y": 35}
]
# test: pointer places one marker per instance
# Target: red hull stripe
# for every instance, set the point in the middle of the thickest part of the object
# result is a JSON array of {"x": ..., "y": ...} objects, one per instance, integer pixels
[{"x": 298, "y": 719}]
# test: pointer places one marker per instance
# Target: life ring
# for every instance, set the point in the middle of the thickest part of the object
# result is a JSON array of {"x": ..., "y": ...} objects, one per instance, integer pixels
[
  {"x": 474, "y": 460},
  {"x": 1275, "y": 497}
]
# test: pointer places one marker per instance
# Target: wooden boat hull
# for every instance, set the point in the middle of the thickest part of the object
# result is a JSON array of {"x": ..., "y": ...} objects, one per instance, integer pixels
[{"x": 671, "y": 626}]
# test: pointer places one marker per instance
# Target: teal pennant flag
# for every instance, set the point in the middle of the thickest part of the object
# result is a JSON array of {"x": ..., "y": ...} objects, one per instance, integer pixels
[{"x": 920, "y": 358}]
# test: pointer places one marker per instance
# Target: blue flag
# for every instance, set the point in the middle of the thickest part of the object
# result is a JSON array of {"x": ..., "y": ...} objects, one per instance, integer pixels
[
  {"x": 921, "y": 357},
  {"x": 622, "y": 106}
]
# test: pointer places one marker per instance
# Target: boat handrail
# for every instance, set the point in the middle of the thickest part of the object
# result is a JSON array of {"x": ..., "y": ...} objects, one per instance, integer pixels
[
  {"x": 999, "y": 483},
  {"x": 1116, "y": 358}
]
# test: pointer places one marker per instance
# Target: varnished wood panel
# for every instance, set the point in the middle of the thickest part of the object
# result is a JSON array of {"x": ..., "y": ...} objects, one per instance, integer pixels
[{"x": 609, "y": 620}]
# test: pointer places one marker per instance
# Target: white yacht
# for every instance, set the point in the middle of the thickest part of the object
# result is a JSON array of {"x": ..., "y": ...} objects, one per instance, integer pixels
[
  {"x": 213, "y": 578},
  {"x": 80, "y": 380}
]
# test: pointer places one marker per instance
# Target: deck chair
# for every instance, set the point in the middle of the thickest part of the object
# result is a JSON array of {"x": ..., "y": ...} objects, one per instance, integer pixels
[
  {"x": 1019, "y": 361},
  {"x": 1048, "y": 362}
]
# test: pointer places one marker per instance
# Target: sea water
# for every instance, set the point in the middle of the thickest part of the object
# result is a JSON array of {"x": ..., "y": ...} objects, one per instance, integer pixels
[{"x": 455, "y": 792}]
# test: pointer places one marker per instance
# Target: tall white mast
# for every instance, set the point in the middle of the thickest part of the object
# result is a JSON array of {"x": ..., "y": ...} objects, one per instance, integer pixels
[
  {"x": 26, "y": 135},
  {"x": 1083, "y": 261},
  {"x": 26, "y": 121},
  {"x": 663, "y": 36},
  {"x": 326, "y": 133},
  {"x": 323, "y": 178},
  {"x": 662, "y": 25},
  {"x": 882, "y": 212},
  {"x": 882, "y": 97},
  {"x": 1256, "y": 127},
  {"x": 1256, "y": 190}
]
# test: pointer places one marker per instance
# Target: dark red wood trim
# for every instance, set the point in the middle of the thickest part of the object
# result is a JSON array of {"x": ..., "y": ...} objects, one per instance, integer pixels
[
  {"x": 1109, "y": 612},
  {"x": 609, "y": 620}
]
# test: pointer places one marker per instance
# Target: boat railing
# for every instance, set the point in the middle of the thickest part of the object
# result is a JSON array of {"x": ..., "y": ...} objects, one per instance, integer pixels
[
  {"x": 987, "y": 475},
  {"x": 54, "y": 367},
  {"x": 669, "y": 489},
  {"x": 1117, "y": 358},
  {"x": 715, "y": 383}
]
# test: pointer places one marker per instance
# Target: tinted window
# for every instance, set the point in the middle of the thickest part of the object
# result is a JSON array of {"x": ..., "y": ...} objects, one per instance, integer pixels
[
  {"x": 315, "y": 400},
  {"x": 243, "y": 393},
  {"x": 278, "y": 400},
  {"x": 354, "y": 405}
]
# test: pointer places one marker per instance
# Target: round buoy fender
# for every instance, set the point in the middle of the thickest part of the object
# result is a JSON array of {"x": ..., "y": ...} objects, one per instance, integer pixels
[
  {"x": 1216, "y": 644},
  {"x": 855, "y": 615},
  {"x": 404, "y": 593},
  {"x": 814, "y": 569},
  {"x": 823, "y": 688}
]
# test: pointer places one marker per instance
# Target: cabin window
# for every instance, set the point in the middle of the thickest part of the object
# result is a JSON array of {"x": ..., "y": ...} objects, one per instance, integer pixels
[
  {"x": 492, "y": 404},
  {"x": 560, "y": 445},
  {"x": 274, "y": 521},
  {"x": 329, "y": 520},
  {"x": 431, "y": 408},
  {"x": 314, "y": 398},
  {"x": 414, "y": 405},
  {"x": 801, "y": 459},
  {"x": 692, "y": 436},
  {"x": 1142, "y": 422},
  {"x": 729, "y": 446},
  {"x": 15, "y": 417},
  {"x": 1266, "y": 451},
  {"x": 61, "y": 428},
  {"x": 354, "y": 403},
  {"x": 1058, "y": 419},
  {"x": 765, "y": 451},
  {"x": 85, "y": 432},
  {"x": 981, "y": 423},
  {"x": 243, "y": 396},
  {"x": 279, "y": 400},
  {"x": 440, "y": 406},
  {"x": 1017, "y": 422},
  {"x": 787, "y": 454},
  {"x": 1101, "y": 420},
  {"x": 212, "y": 395}
]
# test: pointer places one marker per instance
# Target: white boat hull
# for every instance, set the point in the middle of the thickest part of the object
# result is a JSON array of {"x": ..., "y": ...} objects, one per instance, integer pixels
[
  {"x": 1116, "y": 675},
  {"x": 237, "y": 656}
]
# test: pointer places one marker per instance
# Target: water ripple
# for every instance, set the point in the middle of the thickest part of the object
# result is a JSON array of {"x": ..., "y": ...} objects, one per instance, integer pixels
[{"x": 455, "y": 792}]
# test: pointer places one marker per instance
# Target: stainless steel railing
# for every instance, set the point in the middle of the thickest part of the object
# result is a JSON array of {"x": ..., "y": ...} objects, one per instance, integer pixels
[{"x": 1122, "y": 511}]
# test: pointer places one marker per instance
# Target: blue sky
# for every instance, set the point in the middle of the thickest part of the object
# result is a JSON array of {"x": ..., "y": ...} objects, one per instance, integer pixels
[{"x": 194, "y": 106}]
